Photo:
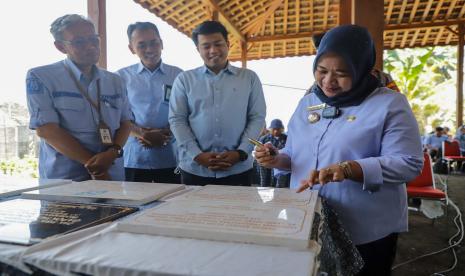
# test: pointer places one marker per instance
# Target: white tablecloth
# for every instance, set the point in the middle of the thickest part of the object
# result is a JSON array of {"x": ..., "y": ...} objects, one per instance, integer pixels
[{"x": 102, "y": 250}]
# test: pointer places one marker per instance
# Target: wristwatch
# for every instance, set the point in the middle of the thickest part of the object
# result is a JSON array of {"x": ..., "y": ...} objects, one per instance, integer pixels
[
  {"x": 242, "y": 155},
  {"x": 117, "y": 149}
]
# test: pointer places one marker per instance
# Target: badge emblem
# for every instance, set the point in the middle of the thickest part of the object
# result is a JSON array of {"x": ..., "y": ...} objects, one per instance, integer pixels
[
  {"x": 351, "y": 118},
  {"x": 313, "y": 117}
]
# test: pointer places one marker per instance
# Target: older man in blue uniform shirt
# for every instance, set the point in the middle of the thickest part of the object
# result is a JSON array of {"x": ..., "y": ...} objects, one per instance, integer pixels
[
  {"x": 149, "y": 154},
  {"x": 213, "y": 110},
  {"x": 79, "y": 111}
]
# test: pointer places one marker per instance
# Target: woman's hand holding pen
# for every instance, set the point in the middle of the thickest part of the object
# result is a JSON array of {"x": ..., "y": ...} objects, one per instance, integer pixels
[{"x": 265, "y": 155}]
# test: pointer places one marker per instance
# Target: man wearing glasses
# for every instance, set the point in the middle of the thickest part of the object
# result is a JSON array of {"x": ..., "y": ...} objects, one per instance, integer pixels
[
  {"x": 79, "y": 111},
  {"x": 149, "y": 154}
]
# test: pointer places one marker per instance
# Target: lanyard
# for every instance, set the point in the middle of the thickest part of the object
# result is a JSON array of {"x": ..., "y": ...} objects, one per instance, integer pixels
[{"x": 85, "y": 93}]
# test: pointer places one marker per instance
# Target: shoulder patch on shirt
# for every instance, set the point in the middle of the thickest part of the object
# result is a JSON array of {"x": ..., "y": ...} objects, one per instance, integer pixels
[{"x": 34, "y": 86}]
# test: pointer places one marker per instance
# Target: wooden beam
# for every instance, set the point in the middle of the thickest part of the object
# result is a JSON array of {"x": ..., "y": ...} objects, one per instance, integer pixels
[
  {"x": 244, "y": 54},
  {"x": 414, "y": 11},
  {"x": 401, "y": 13},
  {"x": 438, "y": 36},
  {"x": 345, "y": 12},
  {"x": 96, "y": 12},
  {"x": 392, "y": 27},
  {"x": 253, "y": 27},
  {"x": 427, "y": 9},
  {"x": 414, "y": 38},
  {"x": 389, "y": 11},
  {"x": 394, "y": 40},
  {"x": 451, "y": 8},
  {"x": 437, "y": 9},
  {"x": 425, "y": 37},
  {"x": 325, "y": 14},
  {"x": 404, "y": 39},
  {"x": 229, "y": 24},
  {"x": 297, "y": 15},
  {"x": 370, "y": 14},
  {"x": 271, "y": 38},
  {"x": 460, "y": 75},
  {"x": 452, "y": 31}
]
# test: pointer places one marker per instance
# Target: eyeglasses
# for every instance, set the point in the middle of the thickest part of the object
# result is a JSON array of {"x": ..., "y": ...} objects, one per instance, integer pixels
[{"x": 82, "y": 42}]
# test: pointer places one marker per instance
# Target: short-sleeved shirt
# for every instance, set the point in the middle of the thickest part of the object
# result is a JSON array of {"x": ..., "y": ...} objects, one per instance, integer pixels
[
  {"x": 53, "y": 97},
  {"x": 382, "y": 135},
  {"x": 215, "y": 113},
  {"x": 460, "y": 137},
  {"x": 148, "y": 95},
  {"x": 436, "y": 141}
]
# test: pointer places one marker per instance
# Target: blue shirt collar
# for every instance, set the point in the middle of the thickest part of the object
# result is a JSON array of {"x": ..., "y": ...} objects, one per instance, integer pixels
[
  {"x": 141, "y": 68},
  {"x": 77, "y": 72},
  {"x": 229, "y": 69}
]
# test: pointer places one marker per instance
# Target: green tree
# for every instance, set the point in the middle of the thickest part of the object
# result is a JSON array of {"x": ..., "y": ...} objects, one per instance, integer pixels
[{"x": 420, "y": 74}]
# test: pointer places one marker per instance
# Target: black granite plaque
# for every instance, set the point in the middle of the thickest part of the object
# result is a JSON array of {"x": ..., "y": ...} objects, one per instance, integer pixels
[{"x": 24, "y": 221}]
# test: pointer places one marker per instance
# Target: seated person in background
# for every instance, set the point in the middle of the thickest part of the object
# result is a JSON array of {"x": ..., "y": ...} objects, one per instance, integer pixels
[
  {"x": 446, "y": 131},
  {"x": 460, "y": 137},
  {"x": 434, "y": 141},
  {"x": 278, "y": 139}
]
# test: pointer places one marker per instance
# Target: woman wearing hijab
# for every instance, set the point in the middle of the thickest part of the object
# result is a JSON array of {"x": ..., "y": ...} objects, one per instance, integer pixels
[{"x": 357, "y": 143}]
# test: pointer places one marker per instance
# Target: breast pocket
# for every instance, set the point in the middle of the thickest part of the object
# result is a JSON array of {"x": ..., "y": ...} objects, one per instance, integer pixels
[
  {"x": 73, "y": 111},
  {"x": 111, "y": 110}
]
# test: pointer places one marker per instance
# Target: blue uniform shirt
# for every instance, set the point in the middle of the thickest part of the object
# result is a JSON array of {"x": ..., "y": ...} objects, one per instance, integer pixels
[
  {"x": 149, "y": 104},
  {"x": 382, "y": 135},
  {"x": 435, "y": 141},
  {"x": 216, "y": 113},
  {"x": 460, "y": 137},
  {"x": 53, "y": 97}
]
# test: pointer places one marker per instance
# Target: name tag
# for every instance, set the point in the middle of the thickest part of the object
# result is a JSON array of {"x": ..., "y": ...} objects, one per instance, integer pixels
[
  {"x": 105, "y": 134},
  {"x": 167, "y": 90}
]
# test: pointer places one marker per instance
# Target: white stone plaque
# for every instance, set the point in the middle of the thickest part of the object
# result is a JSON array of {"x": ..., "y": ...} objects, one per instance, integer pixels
[
  {"x": 233, "y": 214},
  {"x": 108, "y": 192},
  {"x": 260, "y": 195},
  {"x": 14, "y": 186}
]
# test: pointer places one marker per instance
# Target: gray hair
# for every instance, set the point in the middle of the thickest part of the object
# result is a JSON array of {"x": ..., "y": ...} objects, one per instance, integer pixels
[{"x": 62, "y": 23}]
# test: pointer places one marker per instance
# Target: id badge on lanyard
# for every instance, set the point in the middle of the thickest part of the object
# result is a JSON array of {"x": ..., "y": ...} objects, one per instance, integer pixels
[
  {"x": 105, "y": 134},
  {"x": 103, "y": 129}
]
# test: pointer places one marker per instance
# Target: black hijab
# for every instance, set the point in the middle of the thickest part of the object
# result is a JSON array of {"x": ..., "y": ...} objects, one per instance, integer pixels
[{"x": 355, "y": 45}]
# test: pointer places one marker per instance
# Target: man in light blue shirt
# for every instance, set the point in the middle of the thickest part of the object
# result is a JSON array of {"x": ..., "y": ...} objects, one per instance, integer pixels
[
  {"x": 79, "y": 111},
  {"x": 460, "y": 137},
  {"x": 434, "y": 141},
  {"x": 213, "y": 110},
  {"x": 149, "y": 154}
]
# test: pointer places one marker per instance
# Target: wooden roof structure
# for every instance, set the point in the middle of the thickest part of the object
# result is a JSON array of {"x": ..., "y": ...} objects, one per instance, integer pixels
[
  {"x": 261, "y": 29},
  {"x": 283, "y": 28}
]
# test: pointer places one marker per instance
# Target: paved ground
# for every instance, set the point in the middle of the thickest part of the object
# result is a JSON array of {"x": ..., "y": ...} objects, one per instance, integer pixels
[{"x": 425, "y": 237}]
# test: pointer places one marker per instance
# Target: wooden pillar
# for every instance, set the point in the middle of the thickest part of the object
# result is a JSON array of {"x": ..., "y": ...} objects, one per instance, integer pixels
[
  {"x": 96, "y": 11},
  {"x": 345, "y": 12},
  {"x": 244, "y": 54},
  {"x": 215, "y": 16},
  {"x": 370, "y": 14},
  {"x": 461, "y": 30}
]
